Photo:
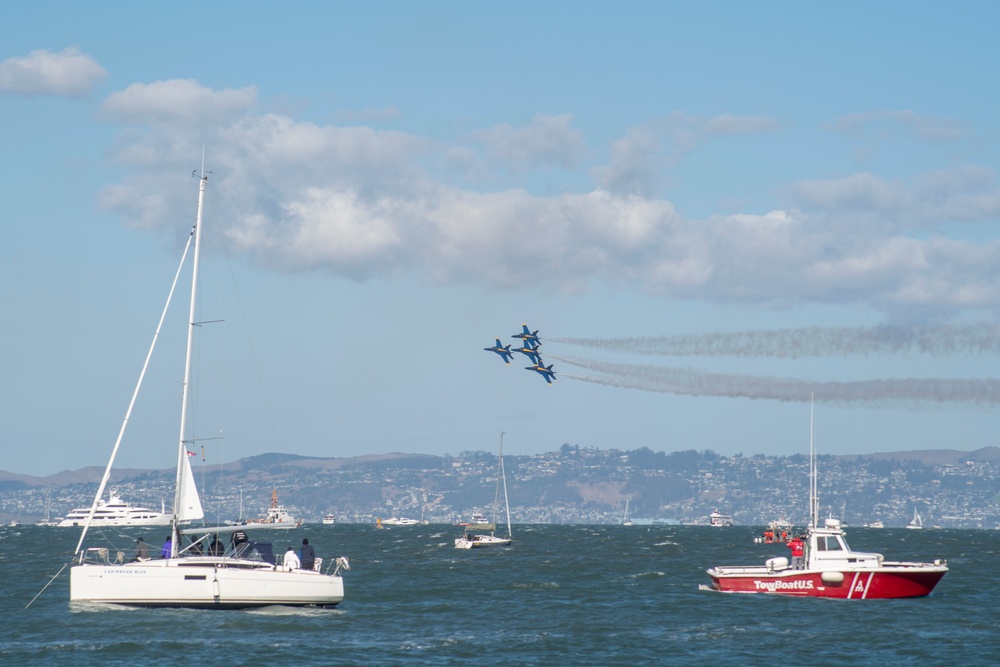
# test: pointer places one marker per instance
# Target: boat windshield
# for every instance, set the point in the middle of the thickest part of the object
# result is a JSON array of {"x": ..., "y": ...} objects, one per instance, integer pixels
[{"x": 828, "y": 543}]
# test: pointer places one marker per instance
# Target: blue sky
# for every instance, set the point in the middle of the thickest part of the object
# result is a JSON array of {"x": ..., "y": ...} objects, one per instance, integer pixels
[{"x": 710, "y": 211}]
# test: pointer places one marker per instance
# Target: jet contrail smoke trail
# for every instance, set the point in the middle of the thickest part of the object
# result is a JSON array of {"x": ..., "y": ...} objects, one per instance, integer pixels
[
  {"x": 811, "y": 342},
  {"x": 865, "y": 393}
]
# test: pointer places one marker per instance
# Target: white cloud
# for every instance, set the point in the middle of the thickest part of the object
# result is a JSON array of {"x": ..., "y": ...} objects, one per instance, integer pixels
[
  {"x": 640, "y": 157},
  {"x": 178, "y": 100},
  {"x": 359, "y": 202},
  {"x": 547, "y": 140},
  {"x": 633, "y": 163},
  {"x": 962, "y": 194},
  {"x": 66, "y": 74}
]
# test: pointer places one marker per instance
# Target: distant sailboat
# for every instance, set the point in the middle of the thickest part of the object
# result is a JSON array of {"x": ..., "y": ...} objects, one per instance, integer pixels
[
  {"x": 470, "y": 539},
  {"x": 625, "y": 520},
  {"x": 916, "y": 523}
]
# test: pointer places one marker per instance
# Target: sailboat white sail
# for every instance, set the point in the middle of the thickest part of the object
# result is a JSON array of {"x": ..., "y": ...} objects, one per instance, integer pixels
[
  {"x": 916, "y": 523},
  {"x": 245, "y": 575},
  {"x": 470, "y": 539}
]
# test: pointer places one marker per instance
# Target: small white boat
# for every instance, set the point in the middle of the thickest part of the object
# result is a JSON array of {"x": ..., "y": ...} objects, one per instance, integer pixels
[
  {"x": 478, "y": 519},
  {"x": 399, "y": 521},
  {"x": 471, "y": 539},
  {"x": 625, "y": 520},
  {"x": 916, "y": 523},
  {"x": 875, "y": 524},
  {"x": 329, "y": 519},
  {"x": 115, "y": 512},
  {"x": 719, "y": 520}
]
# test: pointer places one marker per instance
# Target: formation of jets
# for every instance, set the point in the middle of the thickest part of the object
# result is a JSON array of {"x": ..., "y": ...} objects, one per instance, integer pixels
[{"x": 530, "y": 344}]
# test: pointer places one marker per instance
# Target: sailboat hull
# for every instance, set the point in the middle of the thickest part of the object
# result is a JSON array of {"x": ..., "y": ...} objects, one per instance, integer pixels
[
  {"x": 203, "y": 582},
  {"x": 477, "y": 541}
]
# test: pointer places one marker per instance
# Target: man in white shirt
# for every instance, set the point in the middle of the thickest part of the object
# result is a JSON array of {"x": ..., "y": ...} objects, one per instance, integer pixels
[{"x": 291, "y": 559}]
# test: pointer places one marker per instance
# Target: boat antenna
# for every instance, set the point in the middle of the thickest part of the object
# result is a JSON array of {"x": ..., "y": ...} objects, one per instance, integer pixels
[{"x": 813, "y": 481}]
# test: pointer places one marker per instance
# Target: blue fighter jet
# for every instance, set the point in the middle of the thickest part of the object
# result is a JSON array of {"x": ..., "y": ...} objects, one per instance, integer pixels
[
  {"x": 530, "y": 351},
  {"x": 526, "y": 335},
  {"x": 543, "y": 370},
  {"x": 502, "y": 350}
]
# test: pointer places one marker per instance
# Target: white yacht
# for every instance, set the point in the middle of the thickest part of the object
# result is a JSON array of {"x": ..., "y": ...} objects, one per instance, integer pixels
[
  {"x": 719, "y": 520},
  {"x": 115, "y": 512},
  {"x": 329, "y": 519},
  {"x": 399, "y": 521}
]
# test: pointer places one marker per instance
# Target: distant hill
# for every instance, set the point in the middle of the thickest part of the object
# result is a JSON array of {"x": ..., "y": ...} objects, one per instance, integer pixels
[
  {"x": 940, "y": 456},
  {"x": 68, "y": 477},
  {"x": 264, "y": 462},
  {"x": 12, "y": 480}
]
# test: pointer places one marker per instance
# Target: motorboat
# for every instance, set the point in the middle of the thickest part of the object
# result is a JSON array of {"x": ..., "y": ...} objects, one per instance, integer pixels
[
  {"x": 399, "y": 521},
  {"x": 277, "y": 517},
  {"x": 829, "y": 567},
  {"x": 115, "y": 512},
  {"x": 329, "y": 519},
  {"x": 875, "y": 524},
  {"x": 832, "y": 569},
  {"x": 199, "y": 573},
  {"x": 475, "y": 536},
  {"x": 478, "y": 519},
  {"x": 719, "y": 520}
]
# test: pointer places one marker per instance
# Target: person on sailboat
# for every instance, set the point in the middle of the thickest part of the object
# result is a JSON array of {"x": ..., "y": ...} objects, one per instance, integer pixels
[
  {"x": 141, "y": 550},
  {"x": 308, "y": 555},
  {"x": 165, "y": 550},
  {"x": 215, "y": 548},
  {"x": 291, "y": 559},
  {"x": 239, "y": 538}
]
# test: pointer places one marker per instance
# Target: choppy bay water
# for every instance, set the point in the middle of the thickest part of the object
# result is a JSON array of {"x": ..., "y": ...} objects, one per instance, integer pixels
[{"x": 562, "y": 595}]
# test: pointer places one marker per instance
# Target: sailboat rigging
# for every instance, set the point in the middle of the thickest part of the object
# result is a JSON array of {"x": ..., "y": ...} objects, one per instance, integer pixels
[
  {"x": 472, "y": 539},
  {"x": 195, "y": 575}
]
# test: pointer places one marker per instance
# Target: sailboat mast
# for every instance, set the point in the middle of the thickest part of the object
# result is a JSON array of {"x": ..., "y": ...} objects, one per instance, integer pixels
[
  {"x": 186, "y": 391},
  {"x": 503, "y": 474},
  {"x": 496, "y": 493}
]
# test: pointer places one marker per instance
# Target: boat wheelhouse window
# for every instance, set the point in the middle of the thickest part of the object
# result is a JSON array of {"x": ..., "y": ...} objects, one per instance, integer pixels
[{"x": 828, "y": 543}]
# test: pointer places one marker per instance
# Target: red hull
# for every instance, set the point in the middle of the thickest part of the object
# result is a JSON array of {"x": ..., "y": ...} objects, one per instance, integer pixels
[{"x": 864, "y": 584}]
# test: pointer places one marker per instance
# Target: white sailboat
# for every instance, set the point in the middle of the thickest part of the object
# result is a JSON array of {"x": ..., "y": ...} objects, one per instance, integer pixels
[
  {"x": 470, "y": 539},
  {"x": 245, "y": 575},
  {"x": 916, "y": 523},
  {"x": 625, "y": 520}
]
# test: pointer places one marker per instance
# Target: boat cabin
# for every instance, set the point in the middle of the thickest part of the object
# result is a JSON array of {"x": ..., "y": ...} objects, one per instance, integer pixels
[{"x": 827, "y": 549}]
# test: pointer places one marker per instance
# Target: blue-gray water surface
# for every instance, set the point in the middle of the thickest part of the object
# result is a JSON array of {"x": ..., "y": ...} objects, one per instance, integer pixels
[{"x": 561, "y": 595}]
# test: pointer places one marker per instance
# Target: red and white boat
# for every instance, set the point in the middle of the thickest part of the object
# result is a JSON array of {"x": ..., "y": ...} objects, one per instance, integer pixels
[{"x": 830, "y": 569}]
